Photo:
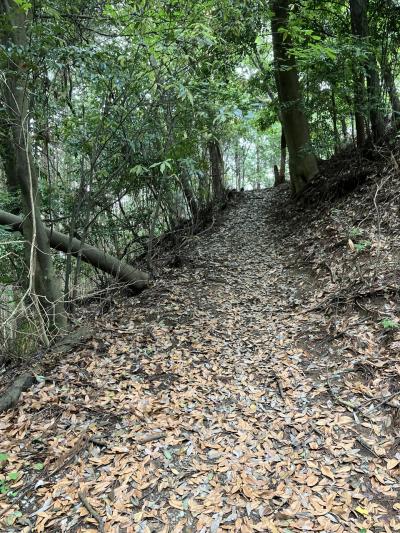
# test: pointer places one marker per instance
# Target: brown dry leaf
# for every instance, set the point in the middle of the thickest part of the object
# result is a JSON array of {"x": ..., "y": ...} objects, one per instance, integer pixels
[
  {"x": 392, "y": 463},
  {"x": 312, "y": 480},
  {"x": 327, "y": 472}
]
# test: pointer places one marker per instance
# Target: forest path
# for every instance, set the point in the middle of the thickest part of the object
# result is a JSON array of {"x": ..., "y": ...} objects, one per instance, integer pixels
[{"x": 199, "y": 406}]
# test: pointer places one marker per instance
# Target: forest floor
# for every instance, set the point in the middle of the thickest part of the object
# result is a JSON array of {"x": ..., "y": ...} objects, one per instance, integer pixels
[{"x": 256, "y": 388}]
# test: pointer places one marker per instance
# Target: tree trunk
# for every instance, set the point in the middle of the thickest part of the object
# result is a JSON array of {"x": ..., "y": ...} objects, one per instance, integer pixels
[
  {"x": 237, "y": 166},
  {"x": 21, "y": 172},
  {"x": 302, "y": 162},
  {"x": 335, "y": 121},
  {"x": 111, "y": 265},
  {"x": 358, "y": 24},
  {"x": 190, "y": 198},
  {"x": 276, "y": 176},
  {"x": 344, "y": 128},
  {"x": 217, "y": 169},
  {"x": 374, "y": 98},
  {"x": 359, "y": 27},
  {"x": 282, "y": 168},
  {"x": 393, "y": 94}
]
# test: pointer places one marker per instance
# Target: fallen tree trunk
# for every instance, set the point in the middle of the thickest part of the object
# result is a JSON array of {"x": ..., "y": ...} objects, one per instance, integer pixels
[
  {"x": 111, "y": 265},
  {"x": 14, "y": 391}
]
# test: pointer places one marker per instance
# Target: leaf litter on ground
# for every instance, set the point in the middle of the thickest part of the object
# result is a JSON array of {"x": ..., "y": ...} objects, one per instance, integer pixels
[{"x": 252, "y": 390}]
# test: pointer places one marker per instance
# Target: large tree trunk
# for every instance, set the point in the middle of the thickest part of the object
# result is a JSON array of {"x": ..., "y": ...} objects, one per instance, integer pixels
[
  {"x": 302, "y": 162},
  {"x": 123, "y": 272},
  {"x": 393, "y": 94},
  {"x": 21, "y": 172},
  {"x": 375, "y": 98},
  {"x": 217, "y": 169},
  {"x": 359, "y": 27},
  {"x": 189, "y": 195},
  {"x": 358, "y": 24}
]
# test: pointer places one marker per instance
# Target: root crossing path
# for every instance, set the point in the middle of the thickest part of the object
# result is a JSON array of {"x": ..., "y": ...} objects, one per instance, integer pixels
[{"x": 201, "y": 405}]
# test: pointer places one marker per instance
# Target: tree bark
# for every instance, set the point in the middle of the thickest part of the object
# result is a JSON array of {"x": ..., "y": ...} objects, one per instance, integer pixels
[
  {"x": 187, "y": 190},
  {"x": 374, "y": 98},
  {"x": 217, "y": 169},
  {"x": 359, "y": 27},
  {"x": 302, "y": 162},
  {"x": 393, "y": 94},
  {"x": 276, "y": 176},
  {"x": 123, "y": 272},
  {"x": 282, "y": 168},
  {"x": 237, "y": 166},
  {"x": 21, "y": 172}
]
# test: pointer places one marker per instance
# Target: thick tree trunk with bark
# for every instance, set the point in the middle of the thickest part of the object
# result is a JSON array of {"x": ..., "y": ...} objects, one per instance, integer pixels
[
  {"x": 393, "y": 95},
  {"x": 302, "y": 162},
  {"x": 21, "y": 172},
  {"x": 375, "y": 99},
  {"x": 360, "y": 97},
  {"x": 123, "y": 272},
  {"x": 189, "y": 195},
  {"x": 217, "y": 169},
  {"x": 359, "y": 27}
]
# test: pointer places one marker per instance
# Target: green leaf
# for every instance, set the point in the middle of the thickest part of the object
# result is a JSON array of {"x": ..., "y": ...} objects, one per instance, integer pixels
[
  {"x": 168, "y": 455},
  {"x": 11, "y": 518},
  {"x": 164, "y": 165},
  {"x": 138, "y": 169},
  {"x": 3, "y": 457},
  {"x": 387, "y": 323},
  {"x": 38, "y": 466},
  {"x": 24, "y": 4},
  {"x": 12, "y": 476}
]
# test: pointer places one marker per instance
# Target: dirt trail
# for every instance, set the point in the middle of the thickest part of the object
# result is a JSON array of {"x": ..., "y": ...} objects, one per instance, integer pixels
[{"x": 204, "y": 405}]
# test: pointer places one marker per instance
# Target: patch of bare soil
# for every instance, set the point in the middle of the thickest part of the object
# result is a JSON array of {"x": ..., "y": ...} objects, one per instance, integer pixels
[{"x": 255, "y": 388}]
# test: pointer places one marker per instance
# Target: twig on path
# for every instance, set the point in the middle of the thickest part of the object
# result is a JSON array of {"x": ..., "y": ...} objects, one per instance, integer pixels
[
  {"x": 317, "y": 431},
  {"x": 338, "y": 400},
  {"x": 385, "y": 401},
  {"x": 368, "y": 448},
  {"x": 278, "y": 384},
  {"x": 92, "y": 511},
  {"x": 143, "y": 439}
]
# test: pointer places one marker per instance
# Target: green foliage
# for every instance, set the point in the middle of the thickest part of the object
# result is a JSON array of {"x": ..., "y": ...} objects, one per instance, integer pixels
[
  {"x": 24, "y": 4},
  {"x": 355, "y": 232},
  {"x": 362, "y": 246},
  {"x": 5, "y": 482},
  {"x": 389, "y": 324}
]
